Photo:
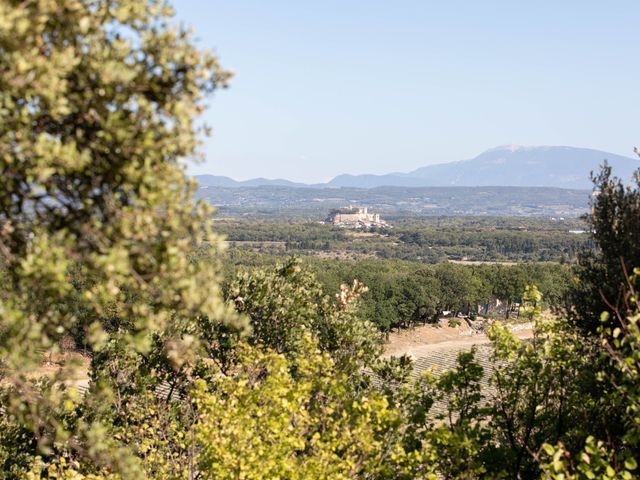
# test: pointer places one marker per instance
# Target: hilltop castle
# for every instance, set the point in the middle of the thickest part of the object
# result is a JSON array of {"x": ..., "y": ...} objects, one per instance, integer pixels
[{"x": 354, "y": 217}]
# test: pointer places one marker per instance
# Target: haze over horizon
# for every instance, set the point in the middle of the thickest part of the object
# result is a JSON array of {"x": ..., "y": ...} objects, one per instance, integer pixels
[{"x": 374, "y": 88}]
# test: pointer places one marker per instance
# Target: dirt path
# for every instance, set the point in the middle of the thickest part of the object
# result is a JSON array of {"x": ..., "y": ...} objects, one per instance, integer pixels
[{"x": 427, "y": 340}]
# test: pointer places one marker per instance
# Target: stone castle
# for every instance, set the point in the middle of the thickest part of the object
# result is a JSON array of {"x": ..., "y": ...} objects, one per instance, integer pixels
[{"x": 354, "y": 217}]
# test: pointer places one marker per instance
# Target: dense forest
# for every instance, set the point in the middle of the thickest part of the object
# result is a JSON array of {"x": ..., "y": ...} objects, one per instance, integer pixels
[{"x": 133, "y": 346}]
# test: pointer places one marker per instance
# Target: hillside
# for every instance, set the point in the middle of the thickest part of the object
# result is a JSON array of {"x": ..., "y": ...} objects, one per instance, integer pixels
[
  {"x": 516, "y": 166},
  {"x": 564, "y": 167}
]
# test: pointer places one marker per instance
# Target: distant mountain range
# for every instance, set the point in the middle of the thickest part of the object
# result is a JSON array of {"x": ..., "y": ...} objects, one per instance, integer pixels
[
  {"x": 509, "y": 165},
  {"x": 221, "y": 181}
]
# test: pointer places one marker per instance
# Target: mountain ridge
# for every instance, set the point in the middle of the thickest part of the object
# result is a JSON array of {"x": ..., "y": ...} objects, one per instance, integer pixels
[
  {"x": 505, "y": 165},
  {"x": 209, "y": 180}
]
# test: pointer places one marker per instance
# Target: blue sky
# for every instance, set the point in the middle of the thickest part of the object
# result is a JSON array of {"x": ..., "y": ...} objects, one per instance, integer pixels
[{"x": 329, "y": 87}]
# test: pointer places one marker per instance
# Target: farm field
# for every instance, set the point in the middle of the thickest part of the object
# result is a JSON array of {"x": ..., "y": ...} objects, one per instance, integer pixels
[{"x": 427, "y": 341}]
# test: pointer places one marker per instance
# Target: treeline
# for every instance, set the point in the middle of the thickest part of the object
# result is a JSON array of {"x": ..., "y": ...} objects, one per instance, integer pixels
[
  {"x": 484, "y": 222},
  {"x": 499, "y": 244},
  {"x": 402, "y": 294}
]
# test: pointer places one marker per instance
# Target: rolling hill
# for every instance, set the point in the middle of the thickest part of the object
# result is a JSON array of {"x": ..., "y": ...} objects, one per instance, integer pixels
[{"x": 227, "y": 182}]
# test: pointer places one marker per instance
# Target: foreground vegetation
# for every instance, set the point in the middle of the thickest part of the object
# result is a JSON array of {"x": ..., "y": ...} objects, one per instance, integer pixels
[{"x": 268, "y": 377}]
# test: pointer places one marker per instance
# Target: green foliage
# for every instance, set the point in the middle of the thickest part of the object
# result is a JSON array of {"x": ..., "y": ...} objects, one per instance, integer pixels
[
  {"x": 403, "y": 294},
  {"x": 459, "y": 443},
  {"x": 281, "y": 304},
  {"x": 493, "y": 244},
  {"x": 287, "y": 303},
  {"x": 609, "y": 457},
  {"x": 97, "y": 108},
  {"x": 160, "y": 433},
  {"x": 594, "y": 461},
  {"x": 547, "y": 401},
  {"x": 538, "y": 394},
  {"x": 62, "y": 469},
  {"x": 461, "y": 387},
  {"x": 615, "y": 225},
  {"x": 296, "y": 419}
]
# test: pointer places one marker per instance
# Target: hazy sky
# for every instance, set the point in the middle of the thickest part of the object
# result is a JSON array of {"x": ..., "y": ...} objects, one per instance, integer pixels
[{"x": 330, "y": 87}]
